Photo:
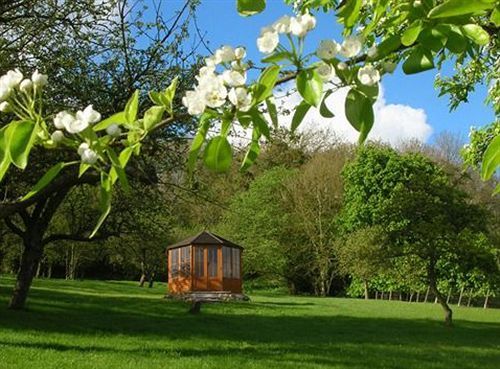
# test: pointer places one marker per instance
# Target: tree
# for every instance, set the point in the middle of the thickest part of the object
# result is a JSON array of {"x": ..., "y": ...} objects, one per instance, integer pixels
[{"x": 424, "y": 214}]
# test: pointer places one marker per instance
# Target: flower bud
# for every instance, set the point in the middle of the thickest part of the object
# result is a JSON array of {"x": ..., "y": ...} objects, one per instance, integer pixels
[
  {"x": 240, "y": 53},
  {"x": 89, "y": 156},
  {"x": 113, "y": 130},
  {"x": 4, "y": 107},
  {"x": 83, "y": 146},
  {"x": 39, "y": 79},
  {"x": 57, "y": 136},
  {"x": 26, "y": 86}
]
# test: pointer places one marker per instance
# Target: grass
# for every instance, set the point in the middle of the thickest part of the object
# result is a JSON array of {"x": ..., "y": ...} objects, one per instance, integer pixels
[{"x": 90, "y": 324}]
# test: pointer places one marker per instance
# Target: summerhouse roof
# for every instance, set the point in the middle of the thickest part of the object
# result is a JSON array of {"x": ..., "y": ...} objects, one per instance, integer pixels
[{"x": 204, "y": 238}]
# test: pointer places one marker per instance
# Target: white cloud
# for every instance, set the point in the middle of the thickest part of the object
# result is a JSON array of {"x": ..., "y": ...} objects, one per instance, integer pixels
[{"x": 394, "y": 123}]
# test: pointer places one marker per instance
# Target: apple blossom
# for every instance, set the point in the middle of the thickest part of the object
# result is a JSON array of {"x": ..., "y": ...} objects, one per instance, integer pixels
[
  {"x": 12, "y": 78},
  {"x": 4, "y": 107},
  {"x": 325, "y": 71},
  {"x": 89, "y": 156},
  {"x": 83, "y": 146},
  {"x": 62, "y": 119},
  {"x": 4, "y": 92},
  {"x": 300, "y": 25},
  {"x": 240, "y": 98},
  {"x": 368, "y": 75},
  {"x": 225, "y": 54},
  {"x": 239, "y": 65},
  {"x": 194, "y": 102},
  {"x": 76, "y": 125},
  {"x": 88, "y": 115},
  {"x": 282, "y": 25},
  {"x": 113, "y": 130},
  {"x": 39, "y": 79},
  {"x": 26, "y": 85},
  {"x": 268, "y": 40},
  {"x": 327, "y": 49},
  {"x": 240, "y": 53},
  {"x": 57, "y": 136},
  {"x": 351, "y": 46},
  {"x": 372, "y": 51},
  {"x": 234, "y": 78},
  {"x": 341, "y": 66}
]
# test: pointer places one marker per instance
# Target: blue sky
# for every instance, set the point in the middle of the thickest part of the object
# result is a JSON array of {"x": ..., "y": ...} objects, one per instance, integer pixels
[{"x": 222, "y": 24}]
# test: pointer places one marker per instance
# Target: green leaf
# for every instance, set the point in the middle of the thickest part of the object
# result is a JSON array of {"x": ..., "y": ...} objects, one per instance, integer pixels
[
  {"x": 104, "y": 201},
  {"x": 370, "y": 91},
  {"x": 388, "y": 46},
  {"x": 310, "y": 86},
  {"x": 410, "y": 35},
  {"x": 491, "y": 159},
  {"x": 131, "y": 108},
  {"x": 454, "y": 8},
  {"x": 126, "y": 154},
  {"x": 349, "y": 12},
  {"x": 218, "y": 154},
  {"x": 83, "y": 168},
  {"x": 433, "y": 39},
  {"x": 276, "y": 57},
  {"x": 323, "y": 109},
  {"x": 359, "y": 112},
  {"x": 46, "y": 179},
  {"x": 117, "y": 118},
  {"x": 250, "y": 7},
  {"x": 4, "y": 154},
  {"x": 152, "y": 117},
  {"x": 495, "y": 16},
  {"x": 260, "y": 122},
  {"x": 418, "y": 61},
  {"x": 265, "y": 83},
  {"x": 253, "y": 150},
  {"x": 273, "y": 112},
  {"x": 117, "y": 171},
  {"x": 456, "y": 42},
  {"x": 21, "y": 136},
  {"x": 155, "y": 97},
  {"x": 300, "y": 112},
  {"x": 168, "y": 95},
  {"x": 198, "y": 140},
  {"x": 476, "y": 33}
]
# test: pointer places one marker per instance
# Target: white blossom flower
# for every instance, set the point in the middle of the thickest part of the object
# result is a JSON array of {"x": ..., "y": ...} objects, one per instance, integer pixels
[
  {"x": 83, "y": 146},
  {"x": 351, "y": 46},
  {"x": 89, "y": 156},
  {"x": 4, "y": 92},
  {"x": 215, "y": 96},
  {"x": 11, "y": 79},
  {"x": 325, "y": 71},
  {"x": 26, "y": 85},
  {"x": 88, "y": 115},
  {"x": 327, "y": 49},
  {"x": 234, "y": 78},
  {"x": 63, "y": 119},
  {"x": 194, "y": 102},
  {"x": 113, "y": 130},
  {"x": 341, "y": 66},
  {"x": 57, "y": 136},
  {"x": 76, "y": 126},
  {"x": 240, "y": 98},
  {"x": 240, "y": 53},
  {"x": 225, "y": 54},
  {"x": 302, "y": 24},
  {"x": 268, "y": 41},
  {"x": 211, "y": 61},
  {"x": 205, "y": 71},
  {"x": 372, "y": 51},
  {"x": 39, "y": 79},
  {"x": 282, "y": 25},
  {"x": 239, "y": 65},
  {"x": 368, "y": 75},
  {"x": 4, "y": 107}
]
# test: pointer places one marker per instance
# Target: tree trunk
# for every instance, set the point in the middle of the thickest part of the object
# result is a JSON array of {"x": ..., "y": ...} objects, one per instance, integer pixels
[
  {"x": 49, "y": 271},
  {"x": 417, "y": 297},
  {"x": 400, "y": 296},
  {"x": 367, "y": 295},
  {"x": 382, "y": 294},
  {"x": 449, "y": 296},
  {"x": 38, "y": 267},
  {"x": 470, "y": 298},
  {"x": 431, "y": 274},
  {"x": 390, "y": 295},
  {"x": 376, "y": 295},
  {"x": 151, "y": 280},
  {"x": 142, "y": 281},
  {"x": 460, "y": 297},
  {"x": 486, "y": 299},
  {"x": 31, "y": 256},
  {"x": 411, "y": 297},
  {"x": 426, "y": 294}
]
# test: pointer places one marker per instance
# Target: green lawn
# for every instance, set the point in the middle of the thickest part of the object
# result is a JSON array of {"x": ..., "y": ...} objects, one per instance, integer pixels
[{"x": 108, "y": 325}]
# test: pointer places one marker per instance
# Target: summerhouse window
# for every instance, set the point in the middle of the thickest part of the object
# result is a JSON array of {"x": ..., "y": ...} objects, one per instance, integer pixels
[
  {"x": 199, "y": 263},
  {"x": 231, "y": 257},
  {"x": 174, "y": 254},
  {"x": 235, "y": 261},
  {"x": 226, "y": 256},
  {"x": 186, "y": 261},
  {"x": 212, "y": 262}
]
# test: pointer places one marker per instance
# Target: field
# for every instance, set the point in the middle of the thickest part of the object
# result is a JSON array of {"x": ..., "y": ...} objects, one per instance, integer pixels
[{"x": 117, "y": 325}]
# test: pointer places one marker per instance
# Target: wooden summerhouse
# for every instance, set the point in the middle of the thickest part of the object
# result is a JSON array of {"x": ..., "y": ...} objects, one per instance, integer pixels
[{"x": 205, "y": 262}]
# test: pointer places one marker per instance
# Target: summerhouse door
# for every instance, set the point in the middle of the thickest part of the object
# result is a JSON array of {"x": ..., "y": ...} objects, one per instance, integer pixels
[{"x": 206, "y": 269}]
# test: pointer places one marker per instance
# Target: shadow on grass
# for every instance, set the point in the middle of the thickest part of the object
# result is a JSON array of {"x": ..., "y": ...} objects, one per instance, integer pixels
[{"x": 257, "y": 331}]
